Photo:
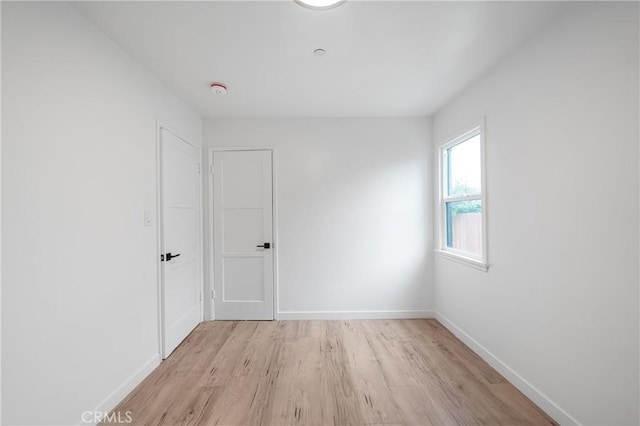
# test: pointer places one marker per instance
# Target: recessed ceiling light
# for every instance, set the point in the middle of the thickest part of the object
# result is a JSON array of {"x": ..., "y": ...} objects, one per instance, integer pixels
[
  {"x": 319, "y": 52},
  {"x": 218, "y": 88},
  {"x": 320, "y": 4}
]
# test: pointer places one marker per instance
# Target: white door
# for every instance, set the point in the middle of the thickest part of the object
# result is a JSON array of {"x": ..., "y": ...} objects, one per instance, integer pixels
[
  {"x": 181, "y": 271},
  {"x": 243, "y": 235}
]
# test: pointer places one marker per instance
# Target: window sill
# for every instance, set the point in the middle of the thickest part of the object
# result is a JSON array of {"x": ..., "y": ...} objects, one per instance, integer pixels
[{"x": 473, "y": 263}]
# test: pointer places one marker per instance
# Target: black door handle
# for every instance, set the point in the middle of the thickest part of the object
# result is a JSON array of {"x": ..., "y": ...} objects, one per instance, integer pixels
[
  {"x": 265, "y": 245},
  {"x": 171, "y": 256}
]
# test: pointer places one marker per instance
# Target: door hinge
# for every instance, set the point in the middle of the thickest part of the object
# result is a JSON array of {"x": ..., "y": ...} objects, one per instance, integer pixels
[
  {"x": 198, "y": 167},
  {"x": 213, "y": 294},
  {"x": 213, "y": 170},
  {"x": 201, "y": 297}
]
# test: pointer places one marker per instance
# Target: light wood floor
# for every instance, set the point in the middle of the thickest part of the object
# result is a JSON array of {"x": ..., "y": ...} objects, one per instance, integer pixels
[{"x": 380, "y": 372}]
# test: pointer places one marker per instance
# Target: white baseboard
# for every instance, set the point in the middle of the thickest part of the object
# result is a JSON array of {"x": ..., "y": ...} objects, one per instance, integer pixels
[
  {"x": 540, "y": 399},
  {"x": 110, "y": 402},
  {"x": 347, "y": 315}
]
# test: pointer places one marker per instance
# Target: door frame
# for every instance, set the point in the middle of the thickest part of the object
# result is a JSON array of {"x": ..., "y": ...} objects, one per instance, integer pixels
[
  {"x": 159, "y": 230},
  {"x": 274, "y": 220}
]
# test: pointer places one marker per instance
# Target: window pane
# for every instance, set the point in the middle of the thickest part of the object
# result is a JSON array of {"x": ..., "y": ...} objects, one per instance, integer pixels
[
  {"x": 464, "y": 226},
  {"x": 463, "y": 167}
]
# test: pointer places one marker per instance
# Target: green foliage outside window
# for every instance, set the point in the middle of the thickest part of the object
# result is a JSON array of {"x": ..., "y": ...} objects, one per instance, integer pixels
[{"x": 458, "y": 207}]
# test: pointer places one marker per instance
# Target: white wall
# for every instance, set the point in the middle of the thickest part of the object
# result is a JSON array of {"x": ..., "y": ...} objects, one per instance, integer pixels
[
  {"x": 0, "y": 222},
  {"x": 353, "y": 207},
  {"x": 559, "y": 305},
  {"x": 79, "y": 268}
]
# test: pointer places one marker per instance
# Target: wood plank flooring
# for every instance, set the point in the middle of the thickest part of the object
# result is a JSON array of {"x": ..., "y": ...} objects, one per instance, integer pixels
[{"x": 366, "y": 372}]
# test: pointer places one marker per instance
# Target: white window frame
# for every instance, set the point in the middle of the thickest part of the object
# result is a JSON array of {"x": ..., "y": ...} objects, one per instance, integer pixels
[{"x": 470, "y": 259}]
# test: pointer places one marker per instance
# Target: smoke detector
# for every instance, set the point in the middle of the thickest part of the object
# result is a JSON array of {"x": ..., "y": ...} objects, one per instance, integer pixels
[
  {"x": 218, "y": 88},
  {"x": 320, "y": 4}
]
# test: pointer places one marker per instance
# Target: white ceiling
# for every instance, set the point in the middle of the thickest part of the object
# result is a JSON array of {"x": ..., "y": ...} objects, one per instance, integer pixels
[{"x": 384, "y": 58}]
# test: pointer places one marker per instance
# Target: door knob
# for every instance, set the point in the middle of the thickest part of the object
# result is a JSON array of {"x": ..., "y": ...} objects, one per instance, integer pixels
[
  {"x": 264, "y": 246},
  {"x": 171, "y": 256}
]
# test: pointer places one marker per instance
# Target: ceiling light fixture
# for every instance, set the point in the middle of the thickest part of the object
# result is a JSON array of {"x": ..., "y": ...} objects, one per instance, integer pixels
[
  {"x": 319, "y": 52},
  {"x": 218, "y": 88},
  {"x": 320, "y": 4}
]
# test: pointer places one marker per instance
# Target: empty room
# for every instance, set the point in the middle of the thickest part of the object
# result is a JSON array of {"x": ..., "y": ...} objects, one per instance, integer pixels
[{"x": 320, "y": 212}]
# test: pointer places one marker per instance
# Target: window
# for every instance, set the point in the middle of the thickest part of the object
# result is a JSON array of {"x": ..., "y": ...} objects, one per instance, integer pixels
[{"x": 462, "y": 199}]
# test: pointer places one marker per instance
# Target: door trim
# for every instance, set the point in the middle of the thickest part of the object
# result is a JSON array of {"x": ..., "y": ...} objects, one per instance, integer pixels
[
  {"x": 159, "y": 231},
  {"x": 274, "y": 219}
]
